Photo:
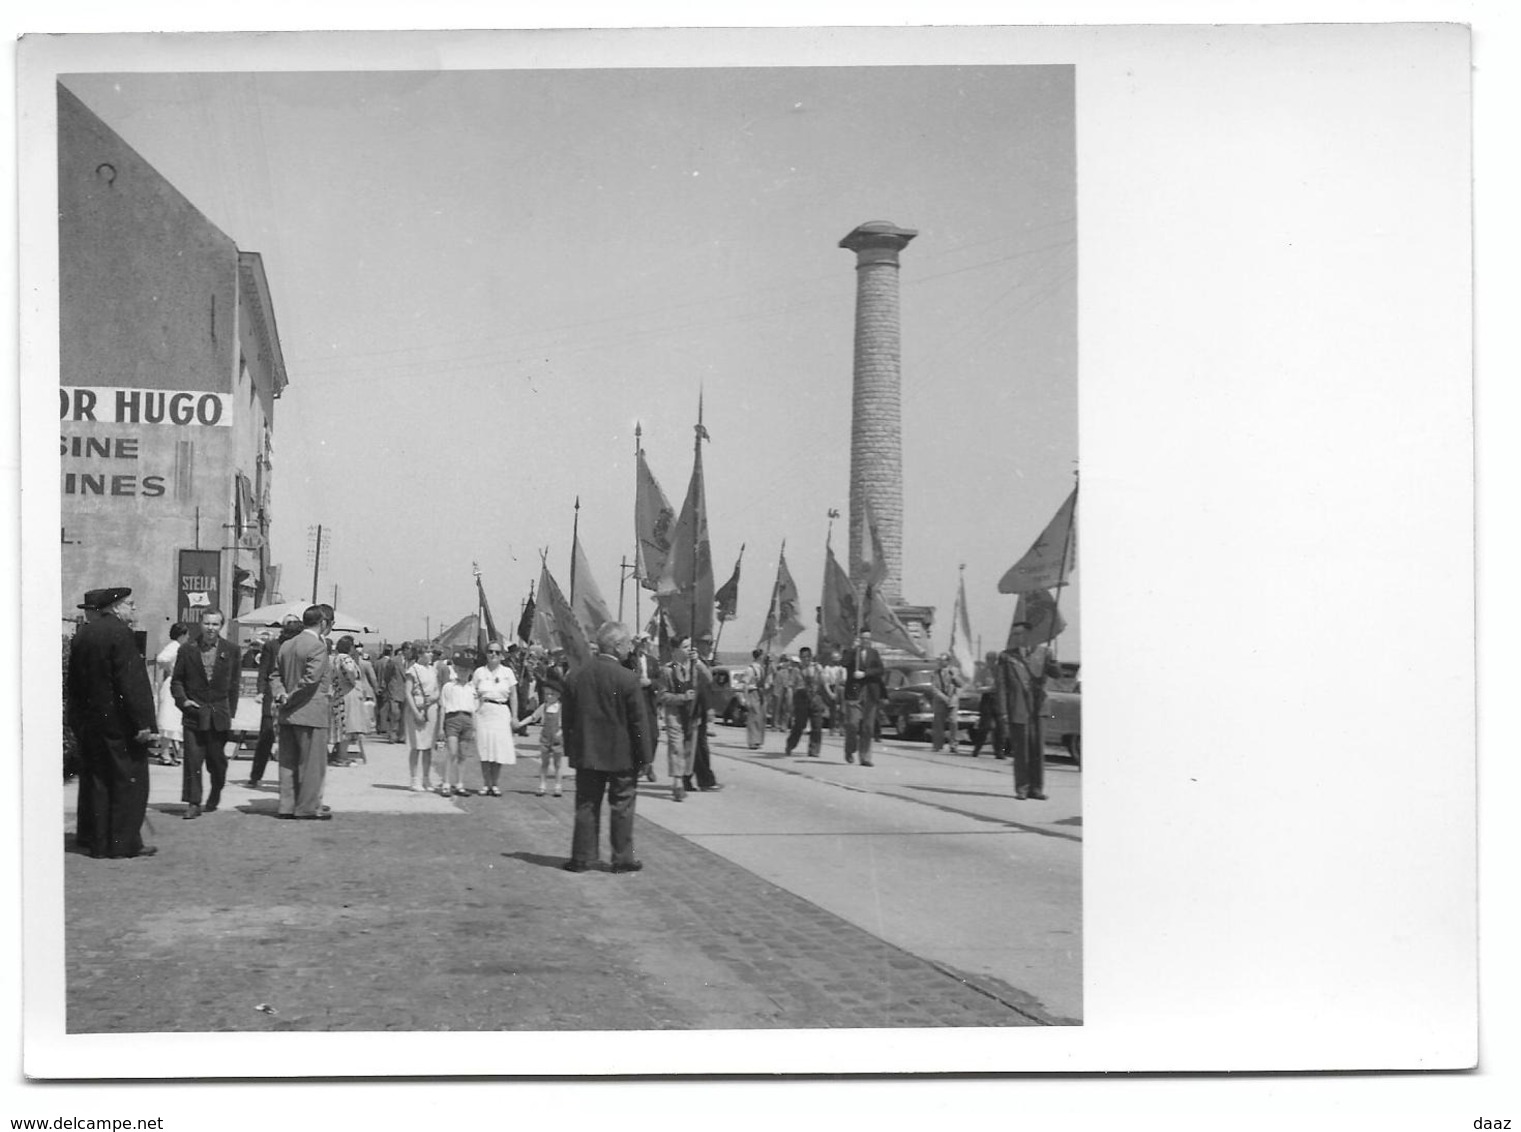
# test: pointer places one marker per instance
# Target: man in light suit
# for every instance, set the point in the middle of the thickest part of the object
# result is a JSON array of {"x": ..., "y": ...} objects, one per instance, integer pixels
[
  {"x": 1019, "y": 686},
  {"x": 205, "y": 689},
  {"x": 302, "y": 684},
  {"x": 607, "y": 742}
]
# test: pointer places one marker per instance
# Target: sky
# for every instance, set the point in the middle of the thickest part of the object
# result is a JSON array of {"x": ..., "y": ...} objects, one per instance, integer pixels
[{"x": 483, "y": 280}]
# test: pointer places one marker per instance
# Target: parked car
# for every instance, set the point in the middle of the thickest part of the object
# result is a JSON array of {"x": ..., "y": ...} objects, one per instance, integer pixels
[
  {"x": 909, "y": 709},
  {"x": 1063, "y": 712},
  {"x": 728, "y": 704}
]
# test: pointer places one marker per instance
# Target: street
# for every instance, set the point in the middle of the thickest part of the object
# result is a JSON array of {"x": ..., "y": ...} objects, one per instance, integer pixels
[{"x": 807, "y": 893}]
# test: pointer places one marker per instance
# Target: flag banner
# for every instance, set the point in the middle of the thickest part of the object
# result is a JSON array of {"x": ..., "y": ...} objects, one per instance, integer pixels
[
  {"x": 588, "y": 602},
  {"x": 727, "y": 596},
  {"x": 1037, "y": 607},
  {"x": 782, "y": 621},
  {"x": 886, "y": 629},
  {"x": 837, "y": 627},
  {"x": 873, "y": 560},
  {"x": 525, "y": 622},
  {"x": 653, "y": 519},
  {"x": 488, "y": 633},
  {"x": 686, "y": 585},
  {"x": 961, "y": 633},
  {"x": 1052, "y": 556},
  {"x": 560, "y": 624}
]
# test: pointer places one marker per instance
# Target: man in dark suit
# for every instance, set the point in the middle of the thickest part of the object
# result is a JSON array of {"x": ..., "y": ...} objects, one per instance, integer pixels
[
  {"x": 864, "y": 676},
  {"x": 702, "y": 713},
  {"x": 205, "y": 689},
  {"x": 111, "y": 712},
  {"x": 607, "y": 742},
  {"x": 302, "y": 683},
  {"x": 1019, "y": 685}
]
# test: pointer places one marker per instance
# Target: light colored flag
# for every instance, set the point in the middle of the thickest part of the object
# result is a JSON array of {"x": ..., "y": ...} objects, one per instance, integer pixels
[
  {"x": 686, "y": 584},
  {"x": 560, "y": 624},
  {"x": 590, "y": 607},
  {"x": 1037, "y": 607},
  {"x": 1050, "y": 558},
  {"x": 961, "y": 632},
  {"x": 653, "y": 519},
  {"x": 782, "y": 621}
]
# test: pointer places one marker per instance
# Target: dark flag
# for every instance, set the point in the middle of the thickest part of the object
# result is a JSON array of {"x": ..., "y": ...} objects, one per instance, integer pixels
[
  {"x": 840, "y": 609},
  {"x": 1050, "y": 558},
  {"x": 525, "y": 622},
  {"x": 727, "y": 596},
  {"x": 686, "y": 584},
  {"x": 1038, "y": 608},
  {"x": 563, "y": 630},
  {"x": 782, "y": 621},
  {"x": 653, "y": 518},
  {"x": 488, "y": 632}
]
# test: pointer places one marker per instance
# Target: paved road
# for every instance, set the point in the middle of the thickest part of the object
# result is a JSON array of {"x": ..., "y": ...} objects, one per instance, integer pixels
[
  {"x": 758, "y": 908},
  {"x": 927, "y": 851}
]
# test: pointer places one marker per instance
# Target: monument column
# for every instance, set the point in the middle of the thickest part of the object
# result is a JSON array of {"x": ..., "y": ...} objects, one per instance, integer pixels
[{"x": 876, "y": 430}]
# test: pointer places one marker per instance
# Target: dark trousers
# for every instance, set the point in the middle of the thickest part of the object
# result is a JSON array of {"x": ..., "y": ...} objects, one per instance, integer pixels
[
  {"x": 1028, "y": 748},
  {"x": 264, "y": 748},
  {"x": 702, "y": 762},
  {"x": 806, "y": 713},
  {"x": 652, "y": 717},
  {"x": 303, "y": 768},
  {"x": 861, "y": 724},
  {"x": 113, "y": 795},
  {"x": 207, "y": 747},
  {"x": 621, "y": 789},
  {"x": 989, "y": 726},
  {"x": 382, "y": 714}
]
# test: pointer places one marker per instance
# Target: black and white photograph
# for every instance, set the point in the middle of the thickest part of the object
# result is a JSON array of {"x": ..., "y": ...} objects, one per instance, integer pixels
[{"x": 773, "y": 446}]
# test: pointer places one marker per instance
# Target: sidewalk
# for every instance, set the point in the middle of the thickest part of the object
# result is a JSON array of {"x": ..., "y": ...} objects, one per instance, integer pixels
[{"x": 413, "y": 912}]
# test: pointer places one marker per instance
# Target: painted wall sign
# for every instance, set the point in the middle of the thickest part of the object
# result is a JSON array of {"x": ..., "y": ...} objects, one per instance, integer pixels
[
  {"x": 199, "y": 584},
  {"x": 103, "y": 404}
]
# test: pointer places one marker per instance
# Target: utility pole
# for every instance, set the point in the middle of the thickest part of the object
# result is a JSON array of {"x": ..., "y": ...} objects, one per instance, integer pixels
[{"x": 319, "y": 539}]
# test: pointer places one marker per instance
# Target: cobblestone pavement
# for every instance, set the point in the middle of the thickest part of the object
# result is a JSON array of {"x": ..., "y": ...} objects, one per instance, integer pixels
[{"x": 464, "y": 920}]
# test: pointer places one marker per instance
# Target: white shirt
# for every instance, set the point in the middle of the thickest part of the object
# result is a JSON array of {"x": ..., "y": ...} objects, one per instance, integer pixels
[
  {"x": 493, "y": 687},
  {"x": 457, "y": 697}
]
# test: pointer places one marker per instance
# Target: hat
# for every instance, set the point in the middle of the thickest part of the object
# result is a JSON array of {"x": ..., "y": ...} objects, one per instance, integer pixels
[
  {"x": 104, "y": 599},
  {"x": 641, "y": 637}
]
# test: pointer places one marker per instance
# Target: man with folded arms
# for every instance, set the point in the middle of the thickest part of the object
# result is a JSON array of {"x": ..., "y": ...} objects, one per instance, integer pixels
[
  {"x": 205, "y": 688},
  {"x": 302, "y": 684}
]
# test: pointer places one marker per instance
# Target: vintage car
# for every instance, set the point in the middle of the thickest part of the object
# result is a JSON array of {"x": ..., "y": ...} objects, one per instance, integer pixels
[
  {"x": 1063, "y": 714},
  {"x": 728, "y": 704},
  {"x": 907, "y": 708}
]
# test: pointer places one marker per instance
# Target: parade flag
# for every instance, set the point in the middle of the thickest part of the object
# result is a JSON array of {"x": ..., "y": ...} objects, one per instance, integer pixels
[
  {"x": 653, "y": 519},
  {"x": 591, "y": 608},
  {"x": 1052, "y": 556},
  {"x": 782, "y": 621},
  {"x": 686, "y": 584},
  {"x": 727, "y": 596},
  {"x": 885, "y": 627},
  {"x": 1037, "y": 607},
  {"x": 561, "y": 626},
  {"x": 873, "y": 560},
  {"x": 488, "y": 632},
  {"x": 840, "y": 610},
  {"x": 525, "y": 622},
  {"x": 961, "y": 632}
]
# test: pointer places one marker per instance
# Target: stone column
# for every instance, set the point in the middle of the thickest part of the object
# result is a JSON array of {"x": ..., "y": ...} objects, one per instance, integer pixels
[{"x": 876, "y": 442}]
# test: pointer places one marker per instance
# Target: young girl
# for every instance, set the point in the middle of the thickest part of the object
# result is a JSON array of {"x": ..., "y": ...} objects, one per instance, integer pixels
[
  {"x": 547, "y": 714},
  {"x": 421, "y": 717},
  {"x": 457, "y": 699}
]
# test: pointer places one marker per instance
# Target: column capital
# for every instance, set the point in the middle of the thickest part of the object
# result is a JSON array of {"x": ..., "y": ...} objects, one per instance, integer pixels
[{"x": 878, "y": 241}]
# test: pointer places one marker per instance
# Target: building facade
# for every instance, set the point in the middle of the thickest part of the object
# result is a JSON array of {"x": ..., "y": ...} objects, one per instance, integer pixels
[{"x": 170, "y": 369}]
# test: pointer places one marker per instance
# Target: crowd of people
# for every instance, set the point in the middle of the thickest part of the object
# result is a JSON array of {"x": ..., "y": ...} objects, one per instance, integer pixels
[{"x": 605, "y": 718}]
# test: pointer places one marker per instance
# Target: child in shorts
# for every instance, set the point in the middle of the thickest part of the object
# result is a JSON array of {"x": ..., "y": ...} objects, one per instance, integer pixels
[{"x": 547, "y": 715}]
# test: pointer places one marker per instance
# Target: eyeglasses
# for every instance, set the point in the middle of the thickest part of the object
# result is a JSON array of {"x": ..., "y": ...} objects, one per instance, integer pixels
[{"x": 493, "y": 652}]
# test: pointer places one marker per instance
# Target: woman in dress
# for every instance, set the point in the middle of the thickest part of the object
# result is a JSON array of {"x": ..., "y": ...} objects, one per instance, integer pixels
[
  {"x": 170, "y": 730},
  {"x": 497, "y": 712},
  {"x": 352, "y": 694},
  {"x": 420, "y": 708}
]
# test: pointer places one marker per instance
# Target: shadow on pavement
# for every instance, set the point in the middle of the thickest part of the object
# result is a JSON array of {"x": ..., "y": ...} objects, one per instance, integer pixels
[
  {"x": 264, "y": 808},
  {"x": 542, "y": 860}
]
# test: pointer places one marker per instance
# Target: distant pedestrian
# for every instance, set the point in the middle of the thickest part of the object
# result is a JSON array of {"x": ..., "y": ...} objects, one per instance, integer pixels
[
  {"x": 302, "y": 684},
  {"x": 372, "y": 679},
  {"x": 1020, "y": 685},
  {"x": 677, "y": 695},
  {"x": 989, "y": 724},
  {"x": 702, "y": 708},
  {"x": 786, "y": 681},
  {"x": 111, "y": 713},
  {"x": 550, "y": 718},
  {"x": 754, "y": 691},
  {"x": 810, "y": 704},
  {"x": 647, "y": 670},
  {"x": 945, "y": 703},
  {"x": 269, "y": 652},
  {"x": 170, "y": 733},
  {"x": 421, "y": 717},
  {"x": 396, "y": 690},
  {"x": 352, "y": 699},
  {"x": 863, "y": 694},
  {"x": 457, "y": 701},
  {"x": 205, "y": 686},
  {"x": 496, "y": 690},
  {"x": 834, "y": 682},
  {"x": 606, "y": 740}
]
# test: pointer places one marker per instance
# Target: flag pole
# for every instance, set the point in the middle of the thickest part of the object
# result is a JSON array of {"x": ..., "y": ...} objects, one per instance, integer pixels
[
  {"x": 638, "y": 549},
  {"x": 696, "y": 521},
  {"x": 1056, "y": 607},
  {"x": 575, "y": 544}
]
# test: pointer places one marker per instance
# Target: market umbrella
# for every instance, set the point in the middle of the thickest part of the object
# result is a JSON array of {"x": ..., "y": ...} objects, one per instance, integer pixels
[{"x": 274, "y": 615}]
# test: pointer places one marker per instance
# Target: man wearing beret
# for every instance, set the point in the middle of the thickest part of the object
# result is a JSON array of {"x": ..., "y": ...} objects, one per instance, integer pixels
[
  {"x": 111, "y": 711},
  {"x": 205, "y": 688}
]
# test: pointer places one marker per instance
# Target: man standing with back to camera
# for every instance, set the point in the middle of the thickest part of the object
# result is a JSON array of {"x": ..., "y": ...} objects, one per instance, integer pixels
[
  {"x": 112, "y": 714},
  {"x": 302, "y": 686}
]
